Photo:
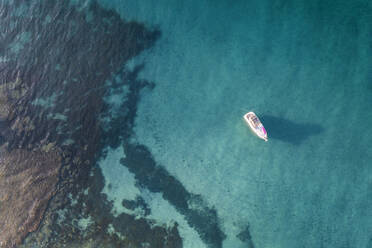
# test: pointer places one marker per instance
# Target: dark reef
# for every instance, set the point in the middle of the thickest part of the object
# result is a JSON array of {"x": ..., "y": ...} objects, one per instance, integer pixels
[
  {"x": 27, "y": 182},
  {"x": 245, "y": 236},
  {"x": 58, "y": 59},
  {"x": 155, "y": 178}
]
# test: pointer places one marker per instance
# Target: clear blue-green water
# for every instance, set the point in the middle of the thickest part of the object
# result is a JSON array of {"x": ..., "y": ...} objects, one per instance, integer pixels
[{"x": 304, "y": 67}]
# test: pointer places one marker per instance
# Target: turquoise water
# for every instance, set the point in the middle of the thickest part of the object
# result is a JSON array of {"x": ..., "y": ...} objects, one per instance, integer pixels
[
  {"x": 144, "y": 104},
  {"x": 304, "y": 68}
]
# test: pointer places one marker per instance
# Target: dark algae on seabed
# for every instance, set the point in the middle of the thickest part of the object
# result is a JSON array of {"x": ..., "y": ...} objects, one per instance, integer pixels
[{"x": 55, "y": 59}]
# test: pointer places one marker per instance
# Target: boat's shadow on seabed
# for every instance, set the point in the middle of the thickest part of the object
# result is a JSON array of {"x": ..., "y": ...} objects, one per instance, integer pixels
[{"x": 289, "y": 131}]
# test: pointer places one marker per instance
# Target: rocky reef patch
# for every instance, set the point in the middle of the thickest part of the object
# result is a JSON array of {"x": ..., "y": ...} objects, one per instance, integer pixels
[
  {"x": 27, "y": 182},
  {"x": 55, "y": 59},
  {"x": 58, "y": 61}
]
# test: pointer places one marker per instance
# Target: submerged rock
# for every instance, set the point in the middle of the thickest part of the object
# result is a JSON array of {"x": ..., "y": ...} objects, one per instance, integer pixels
[
  {"x": 246, "y": 237},
  {"x": 27, "y": 182},
  {"x": 51, "y": 103},
  {"x": 10, "y": 92}
]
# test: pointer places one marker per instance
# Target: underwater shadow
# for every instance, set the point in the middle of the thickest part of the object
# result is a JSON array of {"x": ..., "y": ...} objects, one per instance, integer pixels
[{"x": 289, "y": 131}]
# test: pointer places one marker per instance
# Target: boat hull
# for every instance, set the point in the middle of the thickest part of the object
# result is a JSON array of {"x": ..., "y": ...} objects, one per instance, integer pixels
[{"x": 255, "y": 125}]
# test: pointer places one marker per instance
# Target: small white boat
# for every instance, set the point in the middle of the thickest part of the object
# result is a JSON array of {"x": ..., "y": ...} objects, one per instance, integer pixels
[{"x": 255, "y": 124}]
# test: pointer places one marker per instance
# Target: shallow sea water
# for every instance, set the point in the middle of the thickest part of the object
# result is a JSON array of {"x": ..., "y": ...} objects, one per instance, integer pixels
[{"x": 303, "y": 67}]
